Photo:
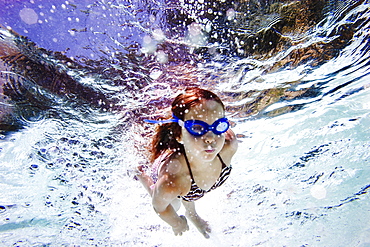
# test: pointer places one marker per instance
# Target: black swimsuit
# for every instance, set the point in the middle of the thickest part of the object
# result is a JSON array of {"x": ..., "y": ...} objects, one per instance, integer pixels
[{"x": 195, "y": 192}]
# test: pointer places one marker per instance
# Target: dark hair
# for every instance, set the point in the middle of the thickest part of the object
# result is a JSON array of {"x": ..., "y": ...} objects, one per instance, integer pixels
[{"x": 166, "y": 135}]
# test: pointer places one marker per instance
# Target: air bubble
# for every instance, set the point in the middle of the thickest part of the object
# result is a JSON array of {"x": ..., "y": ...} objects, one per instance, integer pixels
[
  {"x": 158, "y": 35},
  {"x": 230, "y": 14},
  {"x": 28, "y": 16},
  {"x": 155, "y": 74},
  {"x": 162, "y": 57},
  {"x": 318, "y": 191}
]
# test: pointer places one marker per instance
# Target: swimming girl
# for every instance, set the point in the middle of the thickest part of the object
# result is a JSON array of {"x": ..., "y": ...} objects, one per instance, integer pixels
[{"x": 191, "y": 155}]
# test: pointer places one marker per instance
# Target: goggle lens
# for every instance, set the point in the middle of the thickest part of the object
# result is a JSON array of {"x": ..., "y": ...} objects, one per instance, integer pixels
[
  {"x": 196, "y": 129},
  {"x": 222, "y": 127}
]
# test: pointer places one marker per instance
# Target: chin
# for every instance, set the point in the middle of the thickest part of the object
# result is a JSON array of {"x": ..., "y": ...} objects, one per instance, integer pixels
[{"x": 209, "y": 156}]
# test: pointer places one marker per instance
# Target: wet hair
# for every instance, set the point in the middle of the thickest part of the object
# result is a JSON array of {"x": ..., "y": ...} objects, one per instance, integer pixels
[{"x": 167, "y": 134}]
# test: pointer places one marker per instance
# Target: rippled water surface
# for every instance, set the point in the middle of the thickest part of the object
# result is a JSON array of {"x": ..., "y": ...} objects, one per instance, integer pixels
[{"x": 72, "y": 105}]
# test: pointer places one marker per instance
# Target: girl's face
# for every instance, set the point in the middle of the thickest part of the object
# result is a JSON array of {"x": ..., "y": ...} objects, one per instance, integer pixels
[{"x": 206, "y": 147}]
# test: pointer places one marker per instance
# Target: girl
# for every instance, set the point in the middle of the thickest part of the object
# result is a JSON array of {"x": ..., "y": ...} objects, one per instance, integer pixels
[{"x": 191, "y": 155}]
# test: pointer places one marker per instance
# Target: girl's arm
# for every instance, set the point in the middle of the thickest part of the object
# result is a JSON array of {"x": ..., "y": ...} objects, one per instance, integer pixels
[
  {"x": 230, "y": 146},
  {"x": 166, "y": 190}
]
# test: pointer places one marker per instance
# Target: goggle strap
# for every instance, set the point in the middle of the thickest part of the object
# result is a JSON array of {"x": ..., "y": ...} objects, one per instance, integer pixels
[
  {"x": 161, "y": 121},
  {"x": 178, "y": 120},
  {"x": 180, "y": 123},
  {"x": 173, "y": 120}
]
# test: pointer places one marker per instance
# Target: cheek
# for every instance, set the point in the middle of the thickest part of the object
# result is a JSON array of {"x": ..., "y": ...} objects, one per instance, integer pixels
[
  {"x": 220, "y": 140},
  {"x": 190, "y": 141},
  {"x": 186, "y": 137}
]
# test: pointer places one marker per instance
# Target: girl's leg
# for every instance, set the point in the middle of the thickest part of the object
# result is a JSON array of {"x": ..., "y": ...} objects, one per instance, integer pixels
[{"x": 191, "y": 214}]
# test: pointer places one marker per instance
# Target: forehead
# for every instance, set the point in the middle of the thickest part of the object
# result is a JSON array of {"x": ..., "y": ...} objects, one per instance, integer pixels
[{"x": 206, "y": 110}]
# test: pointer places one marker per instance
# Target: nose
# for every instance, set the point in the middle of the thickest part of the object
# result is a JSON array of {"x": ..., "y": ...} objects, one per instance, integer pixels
[{"x": 209, "y": 137}]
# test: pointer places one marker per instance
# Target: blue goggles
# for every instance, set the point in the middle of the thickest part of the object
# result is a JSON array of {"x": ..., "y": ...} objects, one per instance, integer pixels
[{"x": 197, "y": 127}]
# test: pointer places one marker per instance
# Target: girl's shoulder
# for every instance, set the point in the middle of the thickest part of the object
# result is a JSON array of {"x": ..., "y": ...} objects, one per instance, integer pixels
[
  {"x": 173, "y": 174},
  {"x": 172, "y": 163}
]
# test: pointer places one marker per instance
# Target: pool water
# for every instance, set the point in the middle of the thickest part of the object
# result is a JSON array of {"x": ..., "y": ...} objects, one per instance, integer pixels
[{"x": 301, "y": 173}]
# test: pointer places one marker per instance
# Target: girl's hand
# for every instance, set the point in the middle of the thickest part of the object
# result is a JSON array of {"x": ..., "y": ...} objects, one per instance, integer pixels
[{"x": 181, "y": 226}]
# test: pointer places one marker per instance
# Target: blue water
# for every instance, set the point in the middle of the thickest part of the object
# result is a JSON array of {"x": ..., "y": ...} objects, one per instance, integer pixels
[{"x": 301, "y": 173}]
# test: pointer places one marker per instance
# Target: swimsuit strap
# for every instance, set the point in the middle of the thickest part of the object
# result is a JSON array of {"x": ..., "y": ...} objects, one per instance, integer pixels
[
  {"x": 222, "y": 162},
  {"x": 188, "y": 164}
]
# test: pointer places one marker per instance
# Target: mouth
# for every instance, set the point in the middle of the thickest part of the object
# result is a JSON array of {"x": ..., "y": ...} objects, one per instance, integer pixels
[{"x": 210, "y": 150}]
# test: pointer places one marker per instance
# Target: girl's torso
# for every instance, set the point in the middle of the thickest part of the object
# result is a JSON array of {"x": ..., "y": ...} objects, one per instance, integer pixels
[
  {"x": 197, "y": 192},
  {"x": 200, "y": 181}
]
